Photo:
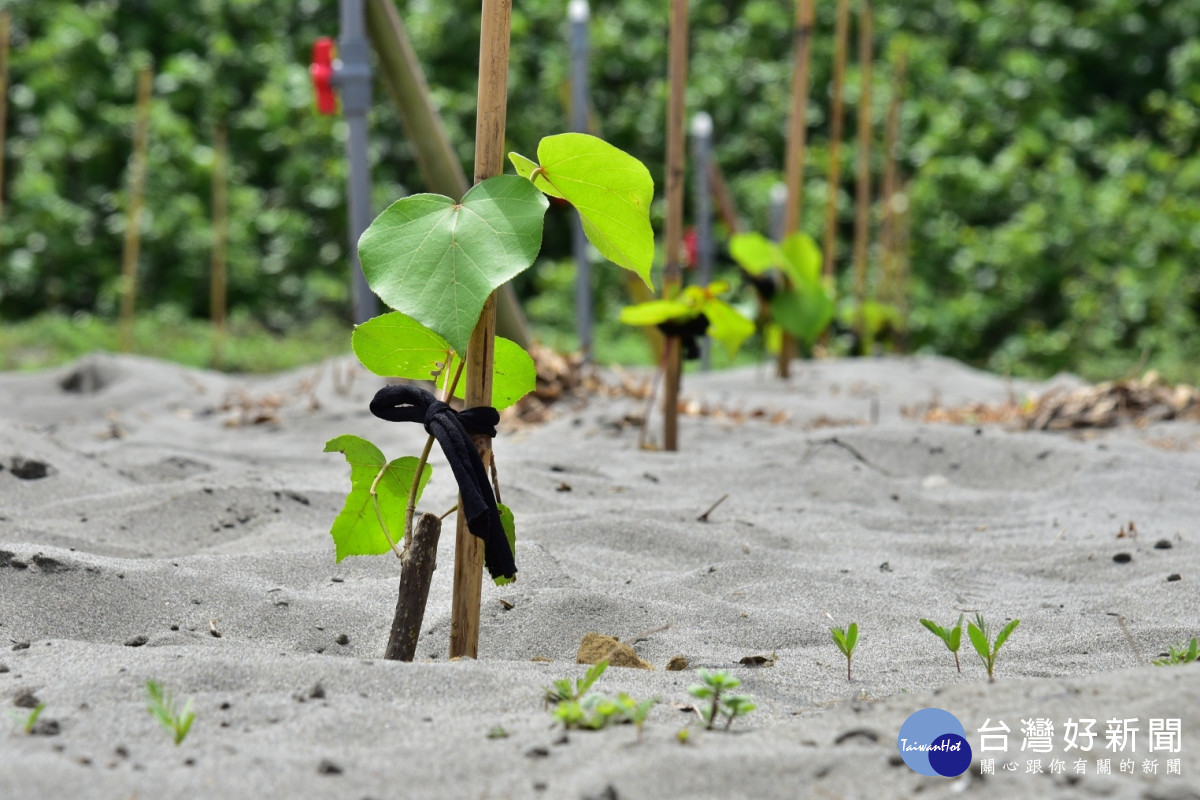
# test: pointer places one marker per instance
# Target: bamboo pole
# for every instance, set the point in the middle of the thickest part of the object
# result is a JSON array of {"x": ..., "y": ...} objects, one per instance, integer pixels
[
  {"x": 489, "y": 160},
  {"x": 890, "y": 286},
  {"x": 841, "y": 34},
  {"x": 797, "y": 144},
  {"x": 673, "y": 236},
  {"x": 903, "y": 255},
  {"x": 137, "y": 185},
  {"x": 220, "y": 223},
  {"x": 862, "y": 214},
  {"x": 5, "y": 39},
  {"x": 437, "y": 162}
]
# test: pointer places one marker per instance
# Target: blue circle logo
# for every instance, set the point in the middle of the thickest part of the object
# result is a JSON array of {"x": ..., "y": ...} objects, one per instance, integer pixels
[{"x": 933, "y": 742}]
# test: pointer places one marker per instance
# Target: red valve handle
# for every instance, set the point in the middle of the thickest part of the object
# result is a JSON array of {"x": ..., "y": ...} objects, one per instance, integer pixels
[{"x": 321, "y": 70}]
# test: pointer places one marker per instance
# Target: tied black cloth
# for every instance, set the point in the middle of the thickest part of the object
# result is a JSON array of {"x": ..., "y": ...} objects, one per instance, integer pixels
[
  {"x": 452, "y": 430},
  {"x": 688, "y": 332}
]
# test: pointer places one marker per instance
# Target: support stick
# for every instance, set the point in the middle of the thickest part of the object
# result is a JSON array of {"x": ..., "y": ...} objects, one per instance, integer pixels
[
  {"x": 137, "y": 186},
  {"x": 417, "y": 564},
  {"x": 797, "y": 143},
  {"x": 890, "y": 286},
  {"x": 489, "y": 160},
  {"x": 862, "y": 194},
  {"x": 673, "y": 272},
  {"x": 841, "y": 34},
  {"x": 5, "y": 37},
  {"x": 577, "y": 14},
  {"x": 220, "y": 207}
]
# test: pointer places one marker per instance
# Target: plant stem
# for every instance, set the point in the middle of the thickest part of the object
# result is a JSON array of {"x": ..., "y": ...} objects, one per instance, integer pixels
[
  {"x": 956, "y": 664},
  {"x": 379, "y": 512}
]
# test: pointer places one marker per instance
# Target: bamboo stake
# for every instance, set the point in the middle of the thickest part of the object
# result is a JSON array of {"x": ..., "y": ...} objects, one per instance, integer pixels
[
  {"x": 5, "y": 38},
  {"x": 862, "y": 214},
  {"x": 724, "y": 198},
  {"x": 489, "y": 160},
  {"x": 137, "y": 185},
  {"x": 890, "y": 287},
  {"x": 437, "y": 162},
  {"x": 903, "y": 255},
  {"x": 220, "y": 215},
  {"x": 841, "y": 34},
  {"x": 797, "y": 144},
  {"x": 673, "y": 236}
]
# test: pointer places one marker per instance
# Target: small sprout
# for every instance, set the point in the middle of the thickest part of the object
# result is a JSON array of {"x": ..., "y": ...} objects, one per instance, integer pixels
[
  {"x": 570, "y": 714},
  {"x": 1181, "y": 654},
  {"x": 846, "y": 640},
  {"x": 27, "y": 722},
  {"x": 565, "y": 689},
  {"x": 981, "y": 639},
  {"x": 162, "y": 707},
  {"x": 497, "y": 732},
  {"x": 683, "y": 735},
  {"x": 636, "y": 711},
  {"x": 715, "y": 690},
  {"x": 951, "y": 636}
]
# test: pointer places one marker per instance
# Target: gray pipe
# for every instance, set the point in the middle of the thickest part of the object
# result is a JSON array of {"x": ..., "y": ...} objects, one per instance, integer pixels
[{"x": 578, "y": 13}]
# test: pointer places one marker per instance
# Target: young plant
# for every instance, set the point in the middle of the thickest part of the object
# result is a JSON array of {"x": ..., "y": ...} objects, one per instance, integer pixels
[
  {"x": 636, "y": 711},
  {"x": 566, "y": 690},
  {"x": 695, "y": 311},
  {"x": 981, "y": 639},
  {"x": 951, "y": 636},
  {"x": 1181, "y": 654},
  {"x": 163, "y": 708},
  {"x": 435, "y": 261},
  {"x": 720, "y": 702},
  {"x": 846, "y": 640},
  {"x": 29, "y": 720},
  {"x": 801, "y": 304}
]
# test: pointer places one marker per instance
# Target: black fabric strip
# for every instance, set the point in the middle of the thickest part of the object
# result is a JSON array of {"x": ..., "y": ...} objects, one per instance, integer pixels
[
  {"x": 452, "y": 430},
  {"x": 688, "y": 332}
]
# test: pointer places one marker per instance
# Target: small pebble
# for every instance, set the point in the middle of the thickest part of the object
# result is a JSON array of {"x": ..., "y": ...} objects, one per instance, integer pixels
[
  {"x": 1174, "y": 576},
  {"x": 327, "y": 767},
  {"x": 1123, "y": 558},
  {"x": 1163, "y": 544}
]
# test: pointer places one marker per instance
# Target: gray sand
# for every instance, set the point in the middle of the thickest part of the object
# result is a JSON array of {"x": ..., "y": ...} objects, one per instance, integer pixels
[{"x": 158, "y": 522}]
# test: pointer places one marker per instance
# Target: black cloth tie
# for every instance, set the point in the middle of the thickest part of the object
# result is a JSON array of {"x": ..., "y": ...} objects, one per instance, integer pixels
[
  {"x": 452, "y": 430},
  {"x": 689, "y": 334}
]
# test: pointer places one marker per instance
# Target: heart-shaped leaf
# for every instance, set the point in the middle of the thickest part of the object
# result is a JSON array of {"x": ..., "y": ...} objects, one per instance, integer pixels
[
  {"x": 437, "y": 261},
  {"x": 655, "y": 312},
  {"x": 726, "y": 325},
  {"x": 508, "y": 522},
  {"x": 609, "y": 188},
  {"x": 755, "y": 253},
  {"x": 804, "y": 313},
  {"x": 801, "y": 259},
  {"x": 356, "y": 531},
  {"x": 396, "y": 346}
]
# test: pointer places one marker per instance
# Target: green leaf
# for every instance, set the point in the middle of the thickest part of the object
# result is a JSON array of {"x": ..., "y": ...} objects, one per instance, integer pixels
[
  {"x": 510, "y": 532},
  {"x": 804, "y": 313},
  {"x": 700, "y": 691},
  {"x": 852, "y": 637},
  {"x": 653, "y": 312},
  {"x": 726, "y": 325},
  {"x": 1009, "y": 628},
  {"x": 609, "y": 188},
  {"x": 395, "y": 345},
  {"x": 936, "y": 630},
  {"x": 955, "y": 638},
  {"x": 755, "y": 253},
  {"x": 801, "y": 260},
  {"x": 839, "y": 638},
  {"x": 356, "y": 531},
  {"x": 437, "y": 261},
  {"x": 978, "y": 641},
  {"x": 514, "y": 374}
]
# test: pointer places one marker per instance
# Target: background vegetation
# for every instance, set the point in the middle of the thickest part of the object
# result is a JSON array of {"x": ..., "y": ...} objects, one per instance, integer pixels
[{"x": 1051, "y": 145}]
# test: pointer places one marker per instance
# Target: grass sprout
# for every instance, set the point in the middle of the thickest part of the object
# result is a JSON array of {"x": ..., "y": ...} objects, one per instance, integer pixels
[
  {"x": 162, "y": 707},
  {"x": 952, "y": 636},
  {"x": 981, "y": 639}
]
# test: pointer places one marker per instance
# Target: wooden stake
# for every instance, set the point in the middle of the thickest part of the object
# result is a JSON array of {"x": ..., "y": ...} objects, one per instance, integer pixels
[
  {"x": 490, "y": 122},
  {"x": 137, "y": 186},
  {"x": 220, "y": 216},
  {"x": 673, "y": 236},
  {"x": 841, "y": 34},
  {"x": 5, "y": 38},
  {"x": 862, "y": 194},
  {"x": 724, "y": 199},
  {"x": 903, "y": 253},
  {"x": 890, "y": 286},
  {"x": 417, "y": 563},
  {"x": 797, "y": 143}
]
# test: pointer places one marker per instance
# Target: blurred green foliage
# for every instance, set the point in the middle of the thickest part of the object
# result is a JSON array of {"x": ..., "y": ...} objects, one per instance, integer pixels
[{"x": 1051, "y": 145}]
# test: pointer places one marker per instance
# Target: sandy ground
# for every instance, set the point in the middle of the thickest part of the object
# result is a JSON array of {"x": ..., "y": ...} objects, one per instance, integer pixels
[{"x": 136, "y": 518}]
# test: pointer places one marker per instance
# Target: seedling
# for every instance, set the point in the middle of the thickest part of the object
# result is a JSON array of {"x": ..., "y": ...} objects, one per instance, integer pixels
[
  {"x": 716, "y": 690},
  {"x": 566, "y": 690},
  {"x": 802, "y": 304},
  {"x": 846, "y": 639},
  {"x": 636, "y": 711},
  {"x": 981, "y": 639},
  {"x": 1181, "y": 654},
  {"x": 163, "y": 708},
  {"x": 29, "y": 720},
  {"x": 951, "y": 636},
  {"x": 436, "y": 261}
]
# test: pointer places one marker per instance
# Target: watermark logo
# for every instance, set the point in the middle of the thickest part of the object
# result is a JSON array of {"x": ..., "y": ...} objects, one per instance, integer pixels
[{"x": 933, "y": 742}]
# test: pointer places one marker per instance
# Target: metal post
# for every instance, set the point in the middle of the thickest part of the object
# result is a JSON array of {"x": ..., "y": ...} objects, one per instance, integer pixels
[
  {"x": 353, "y": 79},
  {"x": 775, "y": 211},
  {"x": 577, "y": 14},
  {"x": 702, "y": 128}
]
